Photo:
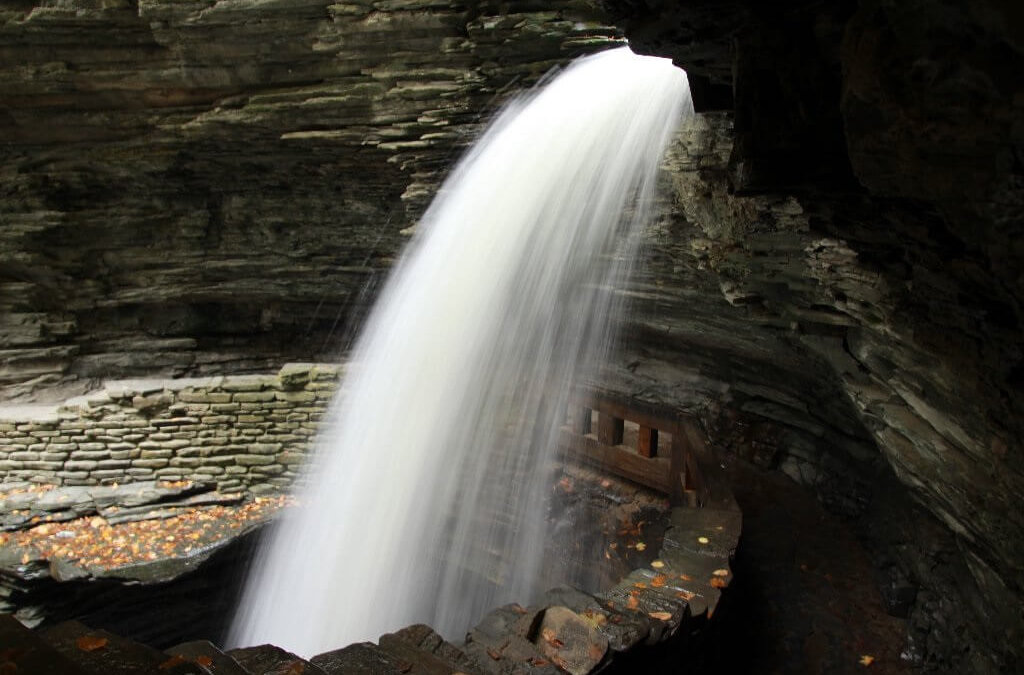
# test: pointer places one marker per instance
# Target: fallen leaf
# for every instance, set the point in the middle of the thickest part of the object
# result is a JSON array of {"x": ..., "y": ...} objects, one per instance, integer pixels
[
  {"x": 632, "y": 603},
  {"x": 660, "y": 616},
  {"x": 866, "y": 660},
  {"x": 90, "y": 643},
  {"x": 703, "y": 540},
  {"x": 659, "y": 581},
  {"x": 657, "y": 564},
  {"x": 721, "y": 573},
  {"x": 685, "y": 595},
  {"x": 718, "y": 582},
  {"x": 204, "y": 661},
  {"x": 686, "y": 577},
  {"x": 171, "y": 663},
  {"x": 640, "y": 546},
  {"x": 296, "y": 668},
  {"x": 494, "y": 654}
]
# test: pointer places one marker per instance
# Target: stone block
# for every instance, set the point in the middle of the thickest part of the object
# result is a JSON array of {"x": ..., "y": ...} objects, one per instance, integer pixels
[
  {"x": 216, "y": 419},
  {"x": 19, "y": 440},
  {"x": 250, "y": 419},
  {"x": 93, "y": 454},
  {"x": 170, "y": 474},
  {"x": 327, "y": 372},
  {"x": 138, "y": 472},
  {"x": 80, "y": 465},
  {"x": 24, "y": 456},
  {"x": 156, "y": 453},
  {"x": 106, "y": 475},
  {"x": 43, "y": 466},
  {"x": 235, "y": 470},
  {"x": 267, "y": 470},
  {"x": 189, "y": 462},
  {"x": 295, "y": 375},
  {"x": 114, "y": 464},
  {"x": 224, "y": 407},
  {"x": 43, "y": 433},
  {"x": 146, "y": 463},
  {"x": 175, "y": 422},
  {"x": 210, "y": 470},
  {"x": 73, "y": 475},
  {"x": 254, "y": 460},
  {"x": 62, "y": 447},
  {"x": 249, "y": 383},
  {"x": 117, "y": 447},
  {"x": 160, "y": 436},
  {"x": 295, "y": 396},
  {"x": 121, "y": 454},
  {"x": 252, "y": 432},
  {"x": 53, "y": 456},
  {"x": 264, "y": 448}
]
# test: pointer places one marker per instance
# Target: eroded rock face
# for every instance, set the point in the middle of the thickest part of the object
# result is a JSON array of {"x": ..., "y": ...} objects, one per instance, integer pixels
[
  {"x": 217, "y": 187},
  {"x": 207, "y": 187}
]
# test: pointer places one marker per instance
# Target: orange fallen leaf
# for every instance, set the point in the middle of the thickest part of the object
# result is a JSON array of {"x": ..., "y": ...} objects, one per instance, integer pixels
[
  {"x": 718, "y": 582},
  {"x": 204, "y": 661},
  {"x": 640, "y": 546},
  {"x": 659, "y": 581},
  {"x": 685, "y": 595},
  {"x": 686, "y": 577},
  {"x": 171, "y": 662},
  {"x": 494, "y": 654},
  {"x": 866, "y": 660},
  {"x": 657, "y": 564},
  {"x": 660, "y": 616},
  {"x": 632, "y": 602},
  {"x": 90, "y": 643},
  {"x": 296, "y": 668}
]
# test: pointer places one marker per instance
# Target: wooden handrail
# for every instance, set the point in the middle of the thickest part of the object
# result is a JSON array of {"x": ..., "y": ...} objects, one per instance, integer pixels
[{"x": 678, "y": 474}]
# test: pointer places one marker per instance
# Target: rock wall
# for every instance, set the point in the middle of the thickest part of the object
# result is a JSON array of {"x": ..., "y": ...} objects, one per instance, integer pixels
[
  {"x": 240, "y": 432},
  {"x": 209, "y": 187}
]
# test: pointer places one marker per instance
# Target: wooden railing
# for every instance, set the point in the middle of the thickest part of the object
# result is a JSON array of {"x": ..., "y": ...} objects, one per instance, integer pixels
[{"x": 637, "y": 452}]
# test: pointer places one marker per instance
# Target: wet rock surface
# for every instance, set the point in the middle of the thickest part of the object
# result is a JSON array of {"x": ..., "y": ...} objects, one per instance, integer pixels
[
  {"x": 567, "y": 630},
  {"x": 837, "y": 294}
]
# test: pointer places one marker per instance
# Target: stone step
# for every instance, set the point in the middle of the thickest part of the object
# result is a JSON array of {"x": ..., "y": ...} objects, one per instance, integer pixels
[
  {"x": 271, "y": 660},
  {"x": 207, "y": 655},
  {"x": 23, "y": 651},
  {"x": 99, "y": 652},
  {"x": 425, "y": 639}
]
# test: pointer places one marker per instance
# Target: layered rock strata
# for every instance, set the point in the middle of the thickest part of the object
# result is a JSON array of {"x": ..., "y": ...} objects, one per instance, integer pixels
[{"x": 197, "y": 188}]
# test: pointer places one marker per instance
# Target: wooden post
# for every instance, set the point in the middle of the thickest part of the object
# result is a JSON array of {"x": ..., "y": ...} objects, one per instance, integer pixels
[
  {"x": 610, "y": 429},
  {"x": 581, "y": 420},
  {"x": 677, "y": 466},
  {"x": 647, "y": 442}
]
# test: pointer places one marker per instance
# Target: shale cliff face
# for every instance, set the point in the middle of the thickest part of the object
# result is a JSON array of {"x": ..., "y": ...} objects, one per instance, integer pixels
[
  {"x": 211, "y": 186},
  {"x": 216, "y": 187}
]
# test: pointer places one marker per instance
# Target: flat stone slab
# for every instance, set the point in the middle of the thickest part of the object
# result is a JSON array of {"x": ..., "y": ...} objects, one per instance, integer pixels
[
  {"x": 271, "y": 660},
  {"x": 99, "y": 651}
]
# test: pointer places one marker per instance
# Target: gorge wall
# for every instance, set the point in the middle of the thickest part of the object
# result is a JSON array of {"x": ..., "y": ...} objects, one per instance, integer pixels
[{"x": 217, "y": 187}]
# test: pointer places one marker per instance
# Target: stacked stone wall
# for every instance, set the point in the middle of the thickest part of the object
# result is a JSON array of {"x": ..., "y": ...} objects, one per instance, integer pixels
[{"x": 241, "y": 432}]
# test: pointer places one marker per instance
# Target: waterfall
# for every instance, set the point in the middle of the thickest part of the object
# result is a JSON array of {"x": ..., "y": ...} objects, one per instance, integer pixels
[{"x": 425, "y": 500}]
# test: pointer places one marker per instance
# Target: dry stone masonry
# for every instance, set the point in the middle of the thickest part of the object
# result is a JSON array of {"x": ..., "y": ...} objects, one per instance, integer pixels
[{"x": 243, "y": 431}]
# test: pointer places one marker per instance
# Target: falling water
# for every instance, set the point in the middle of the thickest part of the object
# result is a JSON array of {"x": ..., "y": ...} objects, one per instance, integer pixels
[{"x": 426, "y": 499}]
